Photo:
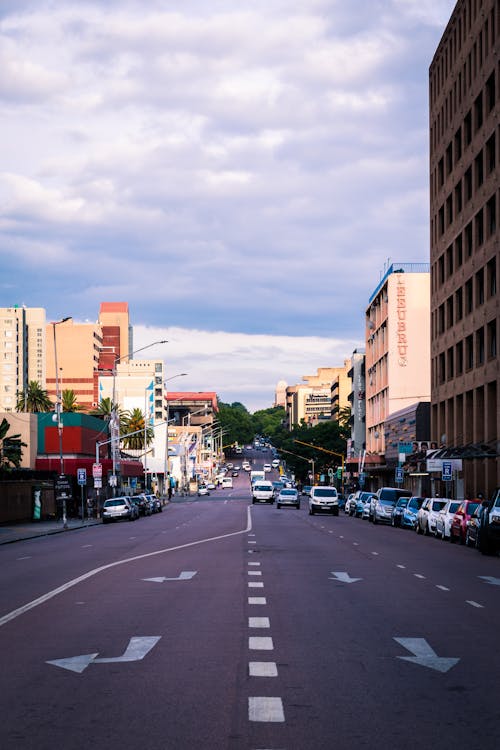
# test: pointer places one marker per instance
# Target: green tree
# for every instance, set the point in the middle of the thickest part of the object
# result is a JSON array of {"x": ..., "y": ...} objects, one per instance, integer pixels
[
  {"x": 11, "y": 447},
  {"x": 34, "y": 399},
  {"x": 69, "y": 402},
  {"x": 236, "y": 420},
  {"x": 268, "y": 421},
  {"x": 134, "y": 422},
  {"x": 345, "y": 421}
]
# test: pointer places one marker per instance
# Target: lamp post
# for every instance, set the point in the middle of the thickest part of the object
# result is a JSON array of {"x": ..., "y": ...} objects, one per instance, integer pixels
[
  {"x": 114, "y": 424},
  {"x": 167, "y": 460},
  {"x": 59, "y": 419}
]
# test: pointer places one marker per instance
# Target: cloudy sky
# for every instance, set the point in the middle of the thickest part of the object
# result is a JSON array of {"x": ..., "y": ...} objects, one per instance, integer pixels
[{"x": 239, "y": 173}]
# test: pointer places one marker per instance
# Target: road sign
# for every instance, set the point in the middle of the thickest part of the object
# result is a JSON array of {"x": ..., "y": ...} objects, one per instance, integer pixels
[
  {"x": 62, "y": 486},
  {"x": 361, "y": 479},
  {"x": 399, "y": 474},
  {"x": 447, "y": 471},
  {"x": 97, "y": 483},
  {"x": 81, "y": 476},
  {"x": 97, "y": 471}
]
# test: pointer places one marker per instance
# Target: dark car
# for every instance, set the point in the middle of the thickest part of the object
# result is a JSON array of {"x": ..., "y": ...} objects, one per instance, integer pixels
[
  {"x": 409, "y": 517},
  {"x": 143, "y": 505},
  {"x": 399, "y": 509},
  {"x": 473, "y": 525},
  {"x": 458, "y": 528}
]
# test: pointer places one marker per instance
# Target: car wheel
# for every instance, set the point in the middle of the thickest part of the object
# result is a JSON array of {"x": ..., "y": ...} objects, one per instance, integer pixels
[
  {"x": 298, "y": 506},
  {"x": 426, "y": 529},
  {"x": 468, "y": 542}
]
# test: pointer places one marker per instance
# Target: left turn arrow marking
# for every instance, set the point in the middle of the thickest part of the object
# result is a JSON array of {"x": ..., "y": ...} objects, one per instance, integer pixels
[
  {"x": 186, "y": 575},
  {"x": 136, "y": 650}
]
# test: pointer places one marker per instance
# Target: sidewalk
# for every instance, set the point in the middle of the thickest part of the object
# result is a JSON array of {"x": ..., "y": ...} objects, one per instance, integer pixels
[{"x": 16, "y": 532}]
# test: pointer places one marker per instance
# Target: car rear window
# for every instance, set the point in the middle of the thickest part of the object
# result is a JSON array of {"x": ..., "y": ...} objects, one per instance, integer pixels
[
  {"x": 438, "y": 504},
  {"x": 113, "y": 503},
  {"x": 288, "y": 492}
]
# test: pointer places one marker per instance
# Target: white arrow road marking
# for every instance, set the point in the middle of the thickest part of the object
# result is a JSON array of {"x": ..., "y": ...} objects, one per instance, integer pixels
[
  {"x": 344, "y": 578},
  {"x": 424, "y": 655},
  {"x": 136, "y": 650},
  {"x": 186, "y": 575},
  {"x": 490, "y": 579}
]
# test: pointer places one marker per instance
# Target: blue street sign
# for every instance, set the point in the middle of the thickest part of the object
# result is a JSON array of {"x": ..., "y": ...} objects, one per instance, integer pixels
[
  {"x": 447, "y": 472},
  {"x": 82, "y": 476},
  {"x": 399, "y": 474},
  {"x": 361, "y": 479}
]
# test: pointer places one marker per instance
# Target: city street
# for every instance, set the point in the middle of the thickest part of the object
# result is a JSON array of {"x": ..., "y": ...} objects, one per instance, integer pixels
[{"x": 218, "y": 624}]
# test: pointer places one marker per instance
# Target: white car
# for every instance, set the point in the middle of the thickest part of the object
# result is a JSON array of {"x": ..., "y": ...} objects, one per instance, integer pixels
[
  {"x": 203, "y": 490},
  {"x": 288, "y": 496},
  {"x": 263, "y": 492},
  {"x": 427, "y": 515},
  {"x": 323, "y": 499},
  {"x": 267, "y": 467},
  {"x": 275, "y": 463},
  {"x": 444, "y": 519},
  {"x": 227, "y": 483}
]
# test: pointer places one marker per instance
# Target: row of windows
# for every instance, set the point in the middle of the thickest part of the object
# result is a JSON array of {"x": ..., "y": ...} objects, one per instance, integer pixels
[
  {"x": 473, "y": 294},
  {"x": 480, "y": 229},
  {"x": 453, "y": 208},
  {"x": 473, "y": 352},
  {"x": 468, "y": 72}
]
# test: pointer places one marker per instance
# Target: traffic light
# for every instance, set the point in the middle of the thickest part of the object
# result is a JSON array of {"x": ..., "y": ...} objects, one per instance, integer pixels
[{"x": 339, "y": 472}]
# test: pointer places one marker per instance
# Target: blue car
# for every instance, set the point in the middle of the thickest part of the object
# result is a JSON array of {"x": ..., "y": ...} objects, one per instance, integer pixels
[{"x": 409, "y": 516}]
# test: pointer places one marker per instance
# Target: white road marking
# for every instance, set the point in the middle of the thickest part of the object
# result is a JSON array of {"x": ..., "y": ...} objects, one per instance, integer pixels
[
  {"x": 28, "y": 557},
  {"x": 356, "y": 544},
  {"x": 252, "y": 542},
  {"x": 443, "y": 588},
  {"x": 424, "y": 655},
  {"x": 84, "y": 546},
  {"x": 419, "y": 575},
  {"x": 75, "y": 581},
  {"x": 254, "y": 572},
  {"x": 255, "y": 585},
  {"x": 259, "y": 622},
  {"x": 136, "y": 650},
  {"x": 260, "y": 643},
  {"x": 250, "y": 551},
  {"x": 266, "y": 709},
  {"x": 374, "y": 553},
  {"x": 262, "y": 669},
  {"x": 343, "y": 577},
  {"x": 251, "y": 535},
  {"x": 341, "y": 537},
  {"x": 254, "y": 563},
  {"x": 491, "y": 579},
  {"x": 474, "y": 604},
  {"x": 403, "y": 567},
  {"x": 257, "y": 600}
]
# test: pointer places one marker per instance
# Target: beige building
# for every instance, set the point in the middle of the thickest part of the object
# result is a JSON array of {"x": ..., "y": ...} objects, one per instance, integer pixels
[
  {"x": 320, "y": 397},
  {"x": 280, "y": 394},
  {"x": 397, "y": 347},
  {"x": 22, "y": 352},
  {"x": 464, "y": 93},
  {"x": 76, "y": 347},
  {"x": 116, "y": 333},
  {"x": 25, "y": 425}
]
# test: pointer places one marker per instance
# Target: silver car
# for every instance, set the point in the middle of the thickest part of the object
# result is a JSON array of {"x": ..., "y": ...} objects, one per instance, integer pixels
[
  {"x": 118, "y": 508},
  {"x": 288, "y": 496}
]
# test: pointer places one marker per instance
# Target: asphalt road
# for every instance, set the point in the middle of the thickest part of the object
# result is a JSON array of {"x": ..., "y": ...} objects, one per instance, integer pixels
[{"x": 218, "y": 624}]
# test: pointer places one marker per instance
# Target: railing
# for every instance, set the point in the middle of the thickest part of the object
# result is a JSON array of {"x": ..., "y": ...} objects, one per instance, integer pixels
[{"x": 400, "y": 268}]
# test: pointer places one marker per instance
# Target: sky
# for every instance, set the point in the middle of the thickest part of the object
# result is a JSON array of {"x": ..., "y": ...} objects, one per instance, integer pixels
[{"x": 241, "y": 174}]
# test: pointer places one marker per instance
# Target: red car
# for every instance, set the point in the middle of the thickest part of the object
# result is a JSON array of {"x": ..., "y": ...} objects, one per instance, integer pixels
[{"x": 458, "y": 528}]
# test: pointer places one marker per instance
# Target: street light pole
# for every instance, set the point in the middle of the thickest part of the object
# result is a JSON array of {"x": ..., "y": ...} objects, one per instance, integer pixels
[
  {"x": 166, "y": 470},
  {"x": 59, "y": 419}
]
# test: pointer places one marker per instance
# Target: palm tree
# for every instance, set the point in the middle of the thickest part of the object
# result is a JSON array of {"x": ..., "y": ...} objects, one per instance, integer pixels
[
  {"x": 11, "y": 447},
  {"x": 134, "y": 423},
  {"x": 34, "y": 399},
  {"x": 69, "y": 402}
]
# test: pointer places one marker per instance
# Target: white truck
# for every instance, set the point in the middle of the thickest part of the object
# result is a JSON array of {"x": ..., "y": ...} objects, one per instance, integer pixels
[{"x": 257, "y": 475}]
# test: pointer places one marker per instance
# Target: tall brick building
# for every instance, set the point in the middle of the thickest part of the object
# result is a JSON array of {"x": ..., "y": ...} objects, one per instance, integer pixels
[{"x": 464, "y": 91}]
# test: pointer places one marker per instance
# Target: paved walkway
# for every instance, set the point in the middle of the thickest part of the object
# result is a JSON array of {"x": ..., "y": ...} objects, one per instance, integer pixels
[{"x": 16, "y": 532}]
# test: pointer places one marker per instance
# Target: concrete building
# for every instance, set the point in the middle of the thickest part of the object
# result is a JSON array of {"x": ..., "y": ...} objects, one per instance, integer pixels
[
  {"x": 357, "y": 402},
  {"x": 22, "y": 352},
  {"x": 464, "y": 93},
  {"x": 320, "y": 397},
  {"x": 280, "y": 395},
  {"x": 397, "y": 347},
  {"x": 77, "y": 346}
]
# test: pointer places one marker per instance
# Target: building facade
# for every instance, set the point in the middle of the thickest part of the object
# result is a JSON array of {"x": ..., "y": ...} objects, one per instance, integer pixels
[
  {"x": 357, "y": 402},
  {"x": 22, "y": 352},
  {"x": 320, "y": 397},
  {"x": 397, "y": 347},
  {"x": 464, "y": 93}
]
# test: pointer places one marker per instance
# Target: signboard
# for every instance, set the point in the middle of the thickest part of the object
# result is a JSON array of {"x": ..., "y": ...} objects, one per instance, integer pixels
[
  {"x": 447, "y": 471},
  {"x": 399, "y": 474},
  {"x": 62, "y": 486},
  {"x": 405, "y": 447},
  {"x": 97, "y": 483},
  {"x": 97, "y": 471},
  {"x": 436, "y": 464},
  {"x": 81, "y": 476}
]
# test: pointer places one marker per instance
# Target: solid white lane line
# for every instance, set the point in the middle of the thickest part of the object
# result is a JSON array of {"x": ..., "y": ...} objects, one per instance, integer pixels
[
  {"x": 262, "y": 669},
  {"x": 259, "y": 622},
  {"x": 255, "y": 585},
  {"x": 69, "y": 584},
  {"x": 257, "y": 600},
  {"x": 443, "y": 588},
  {"x": 260, "y": 643},
  {"x": 254, "y": 572},
  {"x": 474, "y": 604},
  {"x": 266, "y": 709}
]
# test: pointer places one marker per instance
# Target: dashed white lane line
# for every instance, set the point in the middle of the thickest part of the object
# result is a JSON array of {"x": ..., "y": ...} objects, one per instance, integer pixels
[
  {"x": 251, "y": 535},
  {"x": 260, "y": 643},
  {"x": 403, "y": 567},
  {"x": 254, "y": 572},
  {"x": 356, "y": 544},
  {"x": 474, "y": 604},
  {"x": 28, "y": 557},
  {"x": 419, "y": 575},
  {"x": 255, "y": 585},
  {"x": 262, "y": 669},
  {"x": 84, "y": 546},
  {"x": 257, "y": 600},
  {"x": 259, "y": 622},
  {"x": 266, "y": 709},
  {"x": 251, "y": 541},
  {"x": 374, "y": 553},
  {"x": 254, "y": 563},
  {"x": 251, "y": 551},
  {"x": 442, "y": 588}
]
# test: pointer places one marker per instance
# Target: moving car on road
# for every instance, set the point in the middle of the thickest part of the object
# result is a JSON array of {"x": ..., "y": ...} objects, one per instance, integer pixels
[
  {"x": 288, "y": 496},
  {"x": 323, "y": 499},
  {"x": 263, "y": 492}
]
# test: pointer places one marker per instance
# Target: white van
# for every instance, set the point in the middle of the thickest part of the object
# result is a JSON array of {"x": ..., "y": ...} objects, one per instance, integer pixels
[
  {"x": 262, "y": 492},
  {"x": 227, "y": 483}
]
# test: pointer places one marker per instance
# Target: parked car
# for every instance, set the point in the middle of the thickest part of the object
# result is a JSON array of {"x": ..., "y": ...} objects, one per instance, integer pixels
[
  {"x": 427, "y": 515},
  {"x": 323, "y": 499},
  {"x": 445, "y": 517},
  {"x": 350, "y": 500},
  {"x": 119, "y": 508},
  {"x": 288, "y": 496},
  {"x": 458, "y": 528},
  {"x": 155, "y": 502},
  {"x": 306, "y": 490},
  {"x": 473, "y": 526},
  {"x": 398, "y": 510},
  {"x": 341, "y": 501},
  {"x": 489, "y": 531},
  {"x": 267, "y": 467},
  {"x": 362, "y": 507},
  {"x": 263, "y": 492},
  {"x": 409, "y": 517},
  {"x": 210, "y": 485},
  {"x": 202, "y": 490},
  {"x": 386, "y": 497},
  {"x": 144, "y": 505}
]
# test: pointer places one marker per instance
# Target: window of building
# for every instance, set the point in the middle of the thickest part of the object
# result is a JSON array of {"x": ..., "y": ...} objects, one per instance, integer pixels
[
  {"x": 459, "y": 307},
  {"x": 441, "y": 172},
  {"x": 441, "y": 368},
  {"x": 491, "y": 216},
  {"x": 459, "y": 357},
  {"x": 492, "y": 339},
  {"x": 441, "y": 319},
  {"x": 490, "y": 93},
  {"x": 491, "y": 156},
  {"x": 478, "y": 169},
  {"x": 458, "y": 144},
  {"x": 468, "y": 128},
  {"x": 449, "y": 209},
  {"x": 458, "y": 198},
  {"x": 449, "y": 159},
  {"x": 478, "y": 112},
  {"x": 468, "y": 184},
  {"x": 469, "y": 353},
  {"x": 468, "y": 239},
  {"x": 449, "y": 260},
  {"x": 459, "y": 257},
  {"x": 479, "y": 225},
  {"x": 480, "y": 347},
  {"x": 441, "y": 269},
  {"x": 491, "y": 277},
  {"x": 441, "y": 220},
  {"x": 480, "y": 287},
  {"x": 469, "y": 297},
  {"x": 449, "y": 312}
]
